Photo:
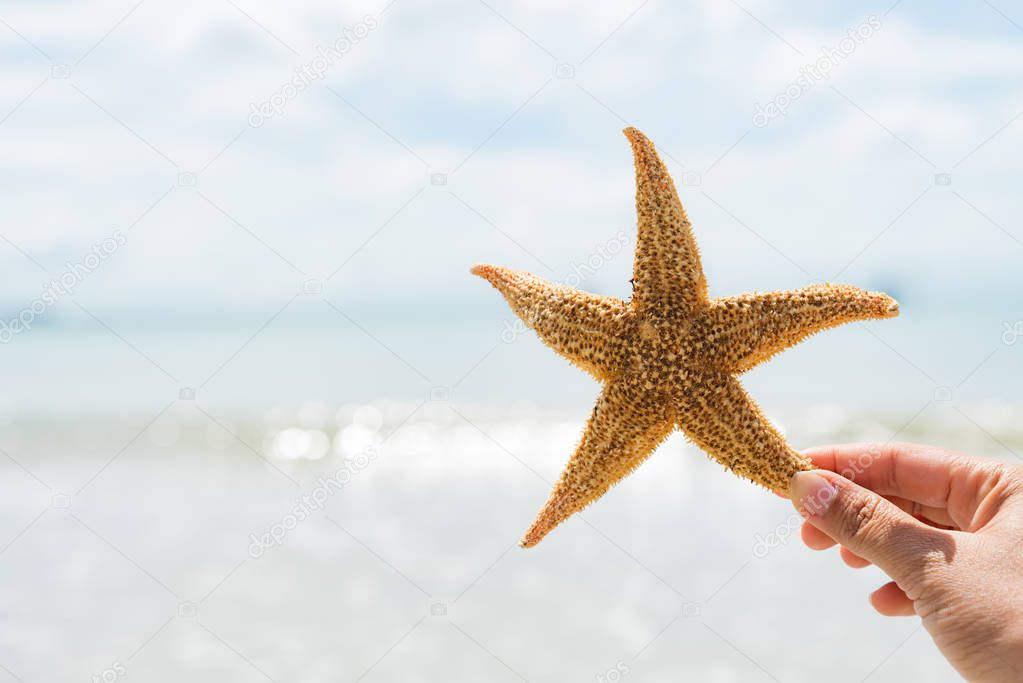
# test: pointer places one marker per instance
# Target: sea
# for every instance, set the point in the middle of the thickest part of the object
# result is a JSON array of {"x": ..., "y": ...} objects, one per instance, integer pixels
[{"x": 337, "y": 497}]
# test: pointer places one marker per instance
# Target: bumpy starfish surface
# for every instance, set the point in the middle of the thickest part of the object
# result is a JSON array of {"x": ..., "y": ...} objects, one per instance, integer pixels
[{"x": 670, "y": 356}]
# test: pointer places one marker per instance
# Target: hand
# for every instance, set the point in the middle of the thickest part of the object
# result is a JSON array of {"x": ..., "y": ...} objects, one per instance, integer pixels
[{"x": 947, "y": 527}]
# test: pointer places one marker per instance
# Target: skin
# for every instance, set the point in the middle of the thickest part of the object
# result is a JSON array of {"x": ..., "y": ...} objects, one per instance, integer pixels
[{"x": 945, "y": 526}]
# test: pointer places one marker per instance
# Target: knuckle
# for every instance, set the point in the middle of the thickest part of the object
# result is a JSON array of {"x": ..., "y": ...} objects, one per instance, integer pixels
[
  {"x": 1012, "y": 476},
  {"x": 860, "y": 517}
]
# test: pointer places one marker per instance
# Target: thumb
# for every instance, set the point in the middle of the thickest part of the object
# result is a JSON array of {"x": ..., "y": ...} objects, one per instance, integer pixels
[{"x": 869, "y": 525}]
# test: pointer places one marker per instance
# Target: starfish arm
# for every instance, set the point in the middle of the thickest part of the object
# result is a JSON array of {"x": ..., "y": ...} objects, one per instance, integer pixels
[
  {"x": 627, "y": 424},
  {"x": 667, "y": 275},
  {"x": 721, "y": 418},
  {"x": 747, "y": 329},
  {"x": 587, "y": 329}
]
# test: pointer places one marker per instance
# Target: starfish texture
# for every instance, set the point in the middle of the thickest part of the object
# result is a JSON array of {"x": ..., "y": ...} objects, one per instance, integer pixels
[{"x": 670, "y": 356}]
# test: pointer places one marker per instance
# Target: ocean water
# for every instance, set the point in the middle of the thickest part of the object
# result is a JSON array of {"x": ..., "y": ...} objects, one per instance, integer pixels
[
  {"x": 310, "y": 349},
  {"x": 316, "y": 502}
]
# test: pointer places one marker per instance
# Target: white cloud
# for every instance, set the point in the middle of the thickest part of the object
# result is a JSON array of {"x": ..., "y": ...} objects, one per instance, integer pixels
[{"x": 315, "y": 182}]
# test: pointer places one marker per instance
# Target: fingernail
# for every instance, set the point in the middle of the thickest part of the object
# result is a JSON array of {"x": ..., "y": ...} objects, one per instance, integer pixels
[{"x": 811, "y": 494}]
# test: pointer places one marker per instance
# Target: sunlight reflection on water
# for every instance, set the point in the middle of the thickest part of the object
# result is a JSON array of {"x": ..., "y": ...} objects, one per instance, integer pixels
[{"x": 410, "y": 516}]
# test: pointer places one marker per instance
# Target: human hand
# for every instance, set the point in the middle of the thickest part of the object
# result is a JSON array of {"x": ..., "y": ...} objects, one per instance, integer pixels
[{"x": 947, "y": 527}]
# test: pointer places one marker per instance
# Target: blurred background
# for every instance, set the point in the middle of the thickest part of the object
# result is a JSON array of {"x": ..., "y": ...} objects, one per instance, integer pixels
[{"x": 259, "y": 422}]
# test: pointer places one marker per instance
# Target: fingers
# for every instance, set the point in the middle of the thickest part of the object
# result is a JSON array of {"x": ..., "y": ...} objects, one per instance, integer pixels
[
  {"x": 814, "y": 538},
  {"x": 870, "y": 527},
  {"x": 934, "y": 479},
  {"x": 938, "y": 517},
  {"x": 891, "y": 601},
  {"x": 919, "y": 473},
  {"x": 852, "y": 559}
]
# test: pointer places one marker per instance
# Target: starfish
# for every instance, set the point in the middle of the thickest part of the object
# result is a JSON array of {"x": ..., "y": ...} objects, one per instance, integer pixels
[{"x": 670, "y": 356}]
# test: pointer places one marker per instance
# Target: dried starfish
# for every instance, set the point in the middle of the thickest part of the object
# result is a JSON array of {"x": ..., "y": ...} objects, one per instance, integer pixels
[{"x": 670, "y": 356}]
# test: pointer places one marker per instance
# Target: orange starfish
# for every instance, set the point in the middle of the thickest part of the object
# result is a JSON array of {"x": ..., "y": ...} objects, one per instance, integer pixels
[{"x": 670, "y": 356}]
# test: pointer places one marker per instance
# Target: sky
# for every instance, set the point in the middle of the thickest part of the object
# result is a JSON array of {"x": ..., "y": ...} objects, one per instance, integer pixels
[
  {"x": 136, "y": 118},
  {"x": 162, "y": 170}
]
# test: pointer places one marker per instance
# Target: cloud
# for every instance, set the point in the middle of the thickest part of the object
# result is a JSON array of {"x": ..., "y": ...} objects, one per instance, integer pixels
[{"x": 457, "y": 90}]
